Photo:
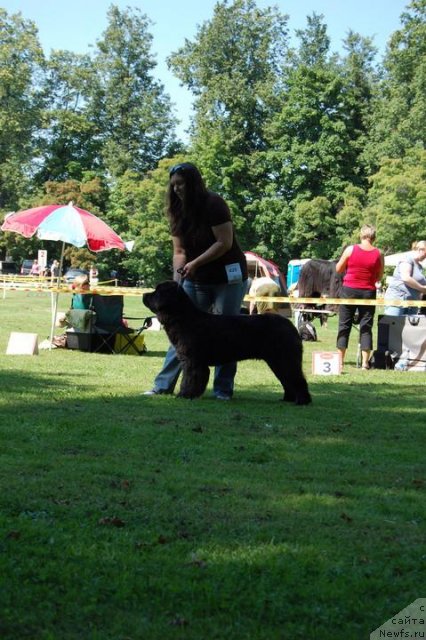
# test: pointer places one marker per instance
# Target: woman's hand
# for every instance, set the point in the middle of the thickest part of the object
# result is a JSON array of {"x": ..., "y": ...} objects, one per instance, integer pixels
[{"x": 189, "y": 269}]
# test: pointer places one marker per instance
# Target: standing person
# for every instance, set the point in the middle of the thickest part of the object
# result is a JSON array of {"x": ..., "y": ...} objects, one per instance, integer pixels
[
  {"x": 207, "y": 260},
  {"x": 35, "y": 268},
  {"x": 408, "y": 281},
  {"x": 54, "y": 271},
  {"x": 363, "y": 266},
  {"x": 93, "y": 276}
]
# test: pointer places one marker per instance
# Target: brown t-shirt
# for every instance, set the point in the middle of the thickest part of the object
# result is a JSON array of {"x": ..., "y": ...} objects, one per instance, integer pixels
[{"x": 216, "y": 212}]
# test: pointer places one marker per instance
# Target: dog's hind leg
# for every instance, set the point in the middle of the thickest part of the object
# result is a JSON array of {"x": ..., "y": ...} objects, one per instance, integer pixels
[
  {"x": 194, "y": 380},
  {"x": 292, "y": 379}
]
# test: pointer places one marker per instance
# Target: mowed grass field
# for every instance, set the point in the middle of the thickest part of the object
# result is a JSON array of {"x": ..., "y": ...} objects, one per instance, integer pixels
[{"x": 124, "y": 517}]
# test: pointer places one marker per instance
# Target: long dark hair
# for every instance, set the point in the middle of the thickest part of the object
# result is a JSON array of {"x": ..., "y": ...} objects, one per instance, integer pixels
[{"x": 185, "y": 216}]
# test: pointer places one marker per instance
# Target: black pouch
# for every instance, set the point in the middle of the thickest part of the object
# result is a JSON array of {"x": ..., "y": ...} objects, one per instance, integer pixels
[{"x": 308, "y": 332}]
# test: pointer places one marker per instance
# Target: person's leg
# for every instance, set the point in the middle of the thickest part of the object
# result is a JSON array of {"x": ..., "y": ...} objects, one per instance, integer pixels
[
  {"x": 228, "y": 300},
  {"x": 202, "y": 295},
  {"x": 346, "y": 314},
  {"x": 166, "y": 380},
  {"x": 394, "y": 311},
  {"x": 366, "y": 318}
]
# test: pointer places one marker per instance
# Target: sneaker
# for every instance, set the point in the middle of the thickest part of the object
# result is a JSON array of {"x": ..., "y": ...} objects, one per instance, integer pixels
[
  {"x": 156, "y": 392},
  {"x": 220, "y": 395}
]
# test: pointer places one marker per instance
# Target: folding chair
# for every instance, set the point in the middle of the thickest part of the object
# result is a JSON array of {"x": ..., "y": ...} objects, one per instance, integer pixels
[
  {"x": 79, "y": 320},
  {"x": 105, "y": 330},
  {"x": 110, "y": 333}
]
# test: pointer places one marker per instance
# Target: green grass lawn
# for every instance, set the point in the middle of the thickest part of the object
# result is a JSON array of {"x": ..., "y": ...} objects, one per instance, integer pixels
[{"x": 126, "y": 517}]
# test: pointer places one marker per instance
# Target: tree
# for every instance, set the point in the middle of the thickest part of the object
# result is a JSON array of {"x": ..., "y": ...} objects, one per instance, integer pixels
[
  {"x": 131, "y": 111},
  {"x": 399, "y": 122},
  {"x": 360, "y": 81},
  {"x": 151, "y": 258},
  {"x": 137, "y": 212},
  {"x": 70, "y": 144},
  {"x": 232, "y": 69},
  {"x": 21, "y": 62},
  {"x": 311, "y": 138},
  {"x": 350, "y": 217},
  {"x": 314, "y": 228},
  {"x": 318, "y": 135},
  {"x": 397, "y": 200}
]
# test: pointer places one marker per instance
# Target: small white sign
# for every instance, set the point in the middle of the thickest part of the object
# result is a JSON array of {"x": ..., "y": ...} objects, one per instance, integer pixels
[
  {"x": 233, "y": 272},
  {"x": 22, "y": 344},
  {"x": 326, "y": 363},
  {"x": 42, "y": 258}
]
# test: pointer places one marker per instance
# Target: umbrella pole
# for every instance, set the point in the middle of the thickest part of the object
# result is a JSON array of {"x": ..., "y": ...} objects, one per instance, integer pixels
[{"x": 55, "y": 305}]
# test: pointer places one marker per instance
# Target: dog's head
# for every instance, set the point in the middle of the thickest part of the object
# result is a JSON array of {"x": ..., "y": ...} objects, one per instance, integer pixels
[{"x": 167, "y": 298}]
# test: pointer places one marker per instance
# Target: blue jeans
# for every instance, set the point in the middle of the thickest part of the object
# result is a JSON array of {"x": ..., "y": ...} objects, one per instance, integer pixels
[
  {"x": 216, "y": 298},
  {"x": 400, "y": 311}
]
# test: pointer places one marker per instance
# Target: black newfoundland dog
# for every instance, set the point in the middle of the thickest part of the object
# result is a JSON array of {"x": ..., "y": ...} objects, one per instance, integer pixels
[{"x": 204, "y": 339}]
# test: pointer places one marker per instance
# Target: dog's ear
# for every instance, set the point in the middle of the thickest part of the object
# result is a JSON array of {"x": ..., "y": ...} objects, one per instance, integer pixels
[
  {"x": 167, "y": 285},
  {"x": 166, "y": 297},
  {"x": 171, "y": 298}
]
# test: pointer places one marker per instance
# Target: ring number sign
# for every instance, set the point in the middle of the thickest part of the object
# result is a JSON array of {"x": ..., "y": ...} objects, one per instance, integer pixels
[{"x": 326, "y": 363}]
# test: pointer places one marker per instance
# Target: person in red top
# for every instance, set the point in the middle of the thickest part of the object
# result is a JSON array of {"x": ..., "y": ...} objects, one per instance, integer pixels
[{"x": 363, "y": 266}]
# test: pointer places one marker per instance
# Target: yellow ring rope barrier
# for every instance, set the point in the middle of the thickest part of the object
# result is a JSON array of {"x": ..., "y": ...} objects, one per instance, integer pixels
[{"x": 41, "y": 285}]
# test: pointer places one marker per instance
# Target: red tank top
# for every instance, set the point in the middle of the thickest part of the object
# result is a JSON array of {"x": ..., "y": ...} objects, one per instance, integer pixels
[{"x": 363, "y": 268}]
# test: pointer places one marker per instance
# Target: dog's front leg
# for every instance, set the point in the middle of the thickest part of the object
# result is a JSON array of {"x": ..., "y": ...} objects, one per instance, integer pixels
[{"x": 194, "y": 380}]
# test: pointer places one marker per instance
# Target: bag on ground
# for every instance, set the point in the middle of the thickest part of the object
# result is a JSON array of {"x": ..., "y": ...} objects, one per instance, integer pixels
[{"x": 308, "y": 332}]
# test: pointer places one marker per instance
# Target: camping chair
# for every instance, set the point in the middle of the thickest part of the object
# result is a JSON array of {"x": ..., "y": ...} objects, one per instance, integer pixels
[
  {"x": 113, "y": 336},
  {"x": 107, "y": 331},
  {"x": 80, "y": 319}
]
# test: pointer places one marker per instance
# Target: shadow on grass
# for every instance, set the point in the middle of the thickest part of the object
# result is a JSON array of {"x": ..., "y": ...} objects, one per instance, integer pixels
[
  {"x": 23, "y": 381},
  {"x": 153, "y": 517}
]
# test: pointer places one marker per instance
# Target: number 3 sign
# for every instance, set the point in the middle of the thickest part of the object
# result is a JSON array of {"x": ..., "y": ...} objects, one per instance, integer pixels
[{"x": 326, "y": 363}]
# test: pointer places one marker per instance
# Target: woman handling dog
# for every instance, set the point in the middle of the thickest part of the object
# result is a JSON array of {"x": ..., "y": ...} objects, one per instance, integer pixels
[
  {"x": 207, "y": 261},
  {"x": 363, "y": 266}
]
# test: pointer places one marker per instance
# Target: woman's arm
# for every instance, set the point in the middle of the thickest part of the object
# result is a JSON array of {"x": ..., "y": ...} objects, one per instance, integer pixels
[
  {"x": 406, "y": 271},
  {"x": 223, "y": 234},
  {"x": 179, "y": 257},
  {"x": 343, "y": 261},
  {"x": 382, "y": 267}
]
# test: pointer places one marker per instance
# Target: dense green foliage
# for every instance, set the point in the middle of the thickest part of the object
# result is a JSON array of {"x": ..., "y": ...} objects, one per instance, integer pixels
[{"x": 304, "y": 143}]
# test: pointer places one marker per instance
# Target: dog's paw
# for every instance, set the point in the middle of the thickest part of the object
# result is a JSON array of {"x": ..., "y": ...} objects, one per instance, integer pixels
[
  {"x": 289, "y": 397},
  {"x": 186, "y": 396},
  {"x": 303, "y": 400},
  {"x": 297, "y": 399}
]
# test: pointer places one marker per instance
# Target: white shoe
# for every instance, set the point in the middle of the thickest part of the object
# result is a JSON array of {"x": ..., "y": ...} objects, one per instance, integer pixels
[
  {"x": 156, "y": 392},
  {"x": 220, "y": 395}
]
